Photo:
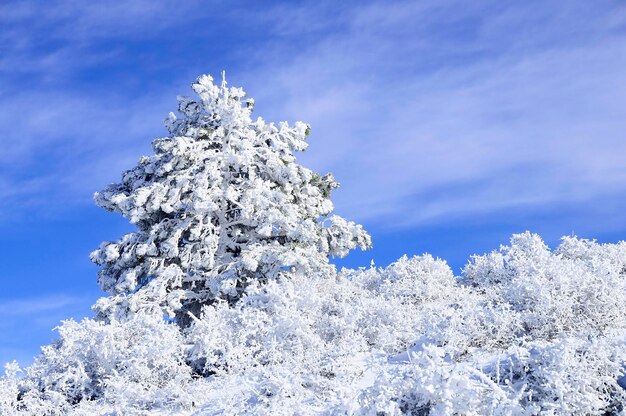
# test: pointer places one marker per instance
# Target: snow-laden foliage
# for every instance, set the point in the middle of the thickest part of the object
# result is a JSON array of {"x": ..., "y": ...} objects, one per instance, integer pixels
[
  {"x": 579, "y": 288},
  {"x": 222, "y": 203},
  {"x": 223, "y": 301},
  {"x": 413, "y": 339},
  {"x": 523, "y": 331},
  {"x": 138, "y": 364}
]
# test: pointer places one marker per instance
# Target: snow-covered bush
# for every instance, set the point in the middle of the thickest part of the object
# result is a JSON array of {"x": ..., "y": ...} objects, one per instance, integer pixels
[
  {"x": 9, "y": 390},
  {"x": 319, "y": 334},
  {"x": 565, "y": 377},
  {"x": 580, "y": 288},
  {"x": 137, "y": 364},
  {"x": 407, "y": 339}
]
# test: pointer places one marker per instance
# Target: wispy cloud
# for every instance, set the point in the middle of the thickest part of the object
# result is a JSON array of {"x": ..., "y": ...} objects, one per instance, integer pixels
[
  {"x": 33, "y": 319},
  {"x": 57, "y": 150},
  {"x": 36, "y": 306},
  {"x": 422, "y": 109},
  {"x": 521, "y": 105}
]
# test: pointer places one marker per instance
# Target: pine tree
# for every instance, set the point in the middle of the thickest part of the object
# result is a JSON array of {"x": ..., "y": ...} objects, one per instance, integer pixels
[{"x": 220, "y": 204}]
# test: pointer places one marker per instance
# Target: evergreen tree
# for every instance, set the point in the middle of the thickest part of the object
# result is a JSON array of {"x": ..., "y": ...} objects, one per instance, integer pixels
[{"x": 221, "y": 203}]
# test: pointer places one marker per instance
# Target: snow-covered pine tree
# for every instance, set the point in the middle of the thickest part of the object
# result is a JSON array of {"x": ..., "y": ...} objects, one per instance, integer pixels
[{"x": 220, "y": 204}]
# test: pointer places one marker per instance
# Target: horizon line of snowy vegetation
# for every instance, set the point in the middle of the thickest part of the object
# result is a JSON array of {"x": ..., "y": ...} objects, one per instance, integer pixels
[{"x": 223, "y": 301}]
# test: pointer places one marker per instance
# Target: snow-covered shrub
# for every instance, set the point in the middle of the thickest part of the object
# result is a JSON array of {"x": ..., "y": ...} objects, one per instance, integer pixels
[
  {"x": 358, "y": 344},
  {"x": 138, "y": 364},
  {"x": 566, "y": 377},
  {"x": 423, "y": 293},
  {"x": 317, "y": 333},
  {"x": 406, "y": 339},
  {"x": 580, "y": 288},
  {"x": 9, "y": 390}
]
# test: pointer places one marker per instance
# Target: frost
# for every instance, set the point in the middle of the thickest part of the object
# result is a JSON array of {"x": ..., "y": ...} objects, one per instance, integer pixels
[
  {"x": 407, "y": 339},
  {"x": 222, "y": 203},
  {"x": 223, "y": 301}
]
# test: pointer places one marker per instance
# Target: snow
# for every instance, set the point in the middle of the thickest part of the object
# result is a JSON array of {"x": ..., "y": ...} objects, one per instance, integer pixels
[
  {"x": 395, "y": 340},
  {"x": 224, "y": 302}
]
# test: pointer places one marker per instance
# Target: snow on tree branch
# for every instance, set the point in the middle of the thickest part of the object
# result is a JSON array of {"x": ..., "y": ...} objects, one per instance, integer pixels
[{"x": 221, "y": 203}]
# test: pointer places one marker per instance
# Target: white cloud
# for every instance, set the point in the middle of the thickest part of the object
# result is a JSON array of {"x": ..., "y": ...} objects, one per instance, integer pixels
[
  {"x": 518, "y": 105},
  {"x": 14, "y": 308},
  {"x": 31, "y": 320},
  {"x": 524, "y": 118}
]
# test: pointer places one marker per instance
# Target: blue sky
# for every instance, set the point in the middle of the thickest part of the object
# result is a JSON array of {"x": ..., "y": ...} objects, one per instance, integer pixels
[{"x": 449, "y": 124}]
